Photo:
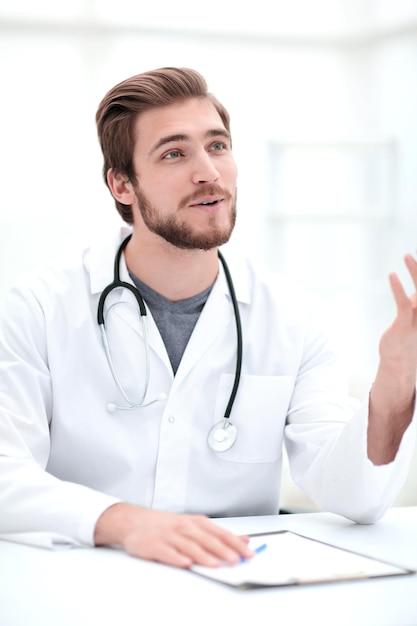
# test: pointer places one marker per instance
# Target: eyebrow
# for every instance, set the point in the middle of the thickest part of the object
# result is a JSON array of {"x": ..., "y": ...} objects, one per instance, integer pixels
[{"x": 215, "y": 132}]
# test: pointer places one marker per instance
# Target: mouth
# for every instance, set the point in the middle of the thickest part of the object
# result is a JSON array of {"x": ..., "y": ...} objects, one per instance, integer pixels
[{"x": 208, "y": 202}]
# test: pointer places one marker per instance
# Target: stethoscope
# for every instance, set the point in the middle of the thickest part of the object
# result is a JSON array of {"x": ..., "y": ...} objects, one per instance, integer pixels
[{"x": 222, "y": 435}]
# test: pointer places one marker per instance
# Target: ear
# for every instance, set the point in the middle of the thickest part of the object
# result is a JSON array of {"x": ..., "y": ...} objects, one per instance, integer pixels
[{"x": 121, "y": 187}]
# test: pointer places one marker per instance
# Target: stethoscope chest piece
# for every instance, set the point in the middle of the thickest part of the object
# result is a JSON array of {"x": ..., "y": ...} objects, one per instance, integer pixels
[{"x": 222, "y": 436}]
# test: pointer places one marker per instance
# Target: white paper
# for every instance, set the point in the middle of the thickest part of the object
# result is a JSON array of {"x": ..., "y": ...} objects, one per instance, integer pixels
[{"x": 291, "y": 559}]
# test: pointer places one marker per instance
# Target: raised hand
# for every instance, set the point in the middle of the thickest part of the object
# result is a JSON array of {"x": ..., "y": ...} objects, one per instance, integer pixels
[{"x": 392, "y": 396}]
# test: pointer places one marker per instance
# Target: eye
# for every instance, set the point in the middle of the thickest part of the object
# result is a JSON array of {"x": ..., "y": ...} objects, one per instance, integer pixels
[
  {"x": 173, "y": 154},
  {"x": 218, "y": 146}
]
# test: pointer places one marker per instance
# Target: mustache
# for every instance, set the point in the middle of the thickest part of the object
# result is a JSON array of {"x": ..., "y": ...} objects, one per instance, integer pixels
[{"x": 210, "y": 189}]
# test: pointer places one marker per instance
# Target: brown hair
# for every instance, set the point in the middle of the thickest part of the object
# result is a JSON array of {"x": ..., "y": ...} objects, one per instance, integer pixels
[{"x": 120, "y": 107}]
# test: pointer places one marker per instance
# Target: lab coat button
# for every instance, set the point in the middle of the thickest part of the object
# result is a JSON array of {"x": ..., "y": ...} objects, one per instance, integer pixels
[{"x": 171, "y": 419}]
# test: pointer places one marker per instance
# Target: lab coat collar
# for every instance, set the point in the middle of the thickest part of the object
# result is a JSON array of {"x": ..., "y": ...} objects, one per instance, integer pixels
[
  {"x": 216, "y": 315},
  {"x": 101, "y": 266},
  {"x": 239, "y": 272},
  {"x": 101, "y": 260}
]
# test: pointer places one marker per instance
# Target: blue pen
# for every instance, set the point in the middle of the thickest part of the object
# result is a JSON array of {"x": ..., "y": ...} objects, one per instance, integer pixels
[
  {"x": 256, "y": 550},
  {"x": 260, "y": 548}
]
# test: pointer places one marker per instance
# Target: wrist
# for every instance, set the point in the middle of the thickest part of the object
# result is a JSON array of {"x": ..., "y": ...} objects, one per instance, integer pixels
[
  {"x": 394, "y": 387},
  {"x": 115, "y": 524},
  {"x": 391, "y": 409}
]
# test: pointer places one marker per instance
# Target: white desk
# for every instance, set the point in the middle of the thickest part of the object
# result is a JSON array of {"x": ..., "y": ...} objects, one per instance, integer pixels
[{"x": 101, "y": 586}]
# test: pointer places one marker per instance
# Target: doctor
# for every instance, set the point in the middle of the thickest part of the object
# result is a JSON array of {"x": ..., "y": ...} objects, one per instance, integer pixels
[{"x": 132, "y": 414}]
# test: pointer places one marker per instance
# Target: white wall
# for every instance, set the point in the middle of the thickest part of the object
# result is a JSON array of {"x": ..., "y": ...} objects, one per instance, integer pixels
[
  {"x": 336, "y": 72},
  {"x": 324, "y": 71}
]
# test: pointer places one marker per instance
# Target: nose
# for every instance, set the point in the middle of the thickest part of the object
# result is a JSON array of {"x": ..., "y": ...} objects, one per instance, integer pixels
[{"x": 204, "y": 170}]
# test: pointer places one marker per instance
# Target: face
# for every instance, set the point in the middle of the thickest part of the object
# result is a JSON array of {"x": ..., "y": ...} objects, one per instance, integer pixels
[{"x": 186, "y": 175}]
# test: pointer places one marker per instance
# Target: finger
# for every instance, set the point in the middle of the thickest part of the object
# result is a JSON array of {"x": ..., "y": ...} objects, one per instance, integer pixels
[
  {"x": 238, "y": 543},
  {"x": 411, "y": 264},
  {"x": 208, "y": 550},
  {"x": 159, "y": 548},
  {"x": 401, "y": 299},
  {"x": 205, "y": 542},
  {"x": 220, "y": 543},
  {"x": 170, "y": 555},
  {"x": 198, "y": 552},
  {"x": 182, "y": 550}
]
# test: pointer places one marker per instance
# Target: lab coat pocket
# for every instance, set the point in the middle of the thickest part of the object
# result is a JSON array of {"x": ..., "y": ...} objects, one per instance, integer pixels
[{"x": 259, "y": 413}]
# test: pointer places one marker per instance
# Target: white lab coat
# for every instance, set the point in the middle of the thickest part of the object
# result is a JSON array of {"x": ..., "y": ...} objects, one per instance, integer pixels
[{"x": 64, "y": 457}]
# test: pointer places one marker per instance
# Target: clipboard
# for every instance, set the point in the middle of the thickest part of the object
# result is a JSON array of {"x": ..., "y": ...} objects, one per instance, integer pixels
[{"x": 286, "y": 559}]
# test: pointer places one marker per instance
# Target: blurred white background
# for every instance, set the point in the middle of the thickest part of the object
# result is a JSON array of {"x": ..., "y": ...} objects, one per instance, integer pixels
[{"x": 323, "y": 100}]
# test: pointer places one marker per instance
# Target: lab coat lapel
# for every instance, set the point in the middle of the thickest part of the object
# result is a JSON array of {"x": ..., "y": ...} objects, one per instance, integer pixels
[{"x": 215, "y": 317}]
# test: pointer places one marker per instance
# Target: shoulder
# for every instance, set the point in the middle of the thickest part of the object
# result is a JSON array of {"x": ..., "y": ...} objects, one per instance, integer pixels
[
  {"x": 253, "y": 280},
  {"x": 57, "y": 284},
  {"x": 274, "y": 304}
]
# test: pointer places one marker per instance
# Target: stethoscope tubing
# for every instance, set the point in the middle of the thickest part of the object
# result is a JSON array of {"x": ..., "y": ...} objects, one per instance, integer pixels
[
  {"x": 116, "y": 283},
  {"x": 239, "y": 338},
  {"x": 226, "y": 426}
]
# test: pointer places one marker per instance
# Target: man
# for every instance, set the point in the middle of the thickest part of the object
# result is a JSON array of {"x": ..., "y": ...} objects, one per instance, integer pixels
[{"x": 119, "y": 432}]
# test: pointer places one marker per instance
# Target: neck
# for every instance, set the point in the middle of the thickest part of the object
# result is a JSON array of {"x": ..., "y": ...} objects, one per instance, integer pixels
[{"x": 174, "y": 273}]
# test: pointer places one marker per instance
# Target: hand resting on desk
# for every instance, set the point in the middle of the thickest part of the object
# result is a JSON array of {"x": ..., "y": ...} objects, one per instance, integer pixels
[{"x": 170, "y": 538}]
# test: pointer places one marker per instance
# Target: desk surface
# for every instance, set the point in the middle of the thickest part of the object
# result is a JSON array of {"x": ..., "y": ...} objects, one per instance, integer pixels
[{"x": 101, "y": 586}]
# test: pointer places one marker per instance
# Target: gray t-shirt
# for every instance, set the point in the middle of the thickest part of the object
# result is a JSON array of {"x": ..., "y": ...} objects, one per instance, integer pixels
[{"x": 175, "y": 320}]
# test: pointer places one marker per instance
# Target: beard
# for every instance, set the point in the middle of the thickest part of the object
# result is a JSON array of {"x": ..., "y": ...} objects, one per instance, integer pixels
[{"x": 178, "y": 231}]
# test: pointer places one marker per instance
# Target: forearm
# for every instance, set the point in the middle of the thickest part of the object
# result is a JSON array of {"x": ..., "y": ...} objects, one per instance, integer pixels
[
  {"x": 33, "y": 501},
  {"x": 391, "y": 408}
]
